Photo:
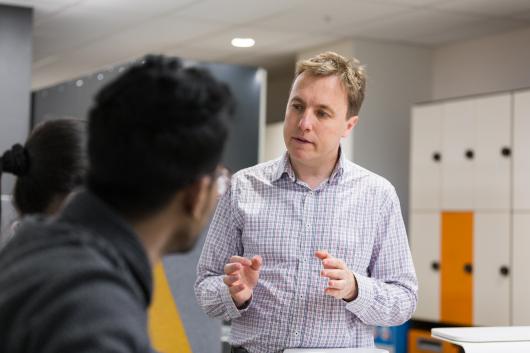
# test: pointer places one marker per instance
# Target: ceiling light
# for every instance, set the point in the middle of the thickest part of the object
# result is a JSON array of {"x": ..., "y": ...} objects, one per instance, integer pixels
[{"x": 243, "y": 42}]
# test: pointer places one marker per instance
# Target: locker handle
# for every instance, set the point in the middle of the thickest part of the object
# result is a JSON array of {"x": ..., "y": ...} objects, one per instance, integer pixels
[
  {"x": 427, "y": 345},
  {"x": 504, "y": 270},
  {"x": 470, "y": 154},
  {"x": 435, "y": 265},
  {"x": 436, "y": 156},
  {"x": 506, "y": 151},
  {"x": 468, "y": 268}
]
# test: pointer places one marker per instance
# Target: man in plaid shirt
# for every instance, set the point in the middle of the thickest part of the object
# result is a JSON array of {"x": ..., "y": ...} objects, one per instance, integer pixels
[{"x": 309, "y": 250}]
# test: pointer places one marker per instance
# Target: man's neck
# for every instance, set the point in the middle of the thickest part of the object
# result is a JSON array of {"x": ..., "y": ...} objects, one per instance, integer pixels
[{"x": 313, "y": 174}]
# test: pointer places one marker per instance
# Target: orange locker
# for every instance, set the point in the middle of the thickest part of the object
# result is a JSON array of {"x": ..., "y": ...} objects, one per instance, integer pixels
[
  {"x": 420, "y": 341},
  {"x": 456, "y": 268}
]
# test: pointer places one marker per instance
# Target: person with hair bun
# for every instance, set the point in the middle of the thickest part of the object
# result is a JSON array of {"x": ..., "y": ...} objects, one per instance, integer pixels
[{"x": 48, "y": 167}]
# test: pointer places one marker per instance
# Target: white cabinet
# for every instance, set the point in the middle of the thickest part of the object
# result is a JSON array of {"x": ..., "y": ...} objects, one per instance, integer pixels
[
  {"x": 425, "y": 157},
  {"x": 491, "y": 269},
  {"x": 521, "y": 269},
  {"x": 472, "y": 156},
  {"x": 493, "y": 153},
  {"x": 458, "y": 145},
  {"x": 425, "y": 248},
  {"x": 521, "y": 151}
]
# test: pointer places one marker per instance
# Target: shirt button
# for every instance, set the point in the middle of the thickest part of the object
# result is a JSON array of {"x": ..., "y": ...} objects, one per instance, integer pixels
[{"x": 296, "y": 333}]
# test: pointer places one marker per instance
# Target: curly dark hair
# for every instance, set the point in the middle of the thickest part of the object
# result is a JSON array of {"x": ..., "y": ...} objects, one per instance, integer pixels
[{"x": 154, "y": 130}]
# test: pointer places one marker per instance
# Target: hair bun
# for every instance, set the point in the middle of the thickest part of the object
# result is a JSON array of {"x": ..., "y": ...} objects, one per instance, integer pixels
[{"x": 16, "y": 160}]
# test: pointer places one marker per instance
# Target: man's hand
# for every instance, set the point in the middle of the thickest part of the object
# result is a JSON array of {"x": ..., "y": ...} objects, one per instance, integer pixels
[
  {"x": 241, "y": 277},
  {"x": 342, "y": 283}
]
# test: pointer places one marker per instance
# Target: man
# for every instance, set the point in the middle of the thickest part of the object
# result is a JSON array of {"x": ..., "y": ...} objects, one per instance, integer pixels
[
  {"x": 309, "y": 250},
  {"x": 82, "y": 282}
]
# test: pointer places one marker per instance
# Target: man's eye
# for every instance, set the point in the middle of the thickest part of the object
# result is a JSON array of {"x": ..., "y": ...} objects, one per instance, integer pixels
[
  {"x": 298, "y": 107},
  {"x": 322, "y": 114}
]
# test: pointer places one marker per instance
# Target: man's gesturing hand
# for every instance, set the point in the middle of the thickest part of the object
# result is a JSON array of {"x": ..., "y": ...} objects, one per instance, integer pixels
[
  {"x": 241, "y": 277},
  {"x": 342, "y": 283}
]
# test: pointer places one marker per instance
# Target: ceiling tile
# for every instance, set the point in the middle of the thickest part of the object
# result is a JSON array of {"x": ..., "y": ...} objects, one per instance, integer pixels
[
  {"x": 415, "y": 24},
  {"x": 238, "y": 11},
  {"x": 316, "y": 19},
  {"x": 490, "y": 8},
  {"x": 477, "y": 29}
]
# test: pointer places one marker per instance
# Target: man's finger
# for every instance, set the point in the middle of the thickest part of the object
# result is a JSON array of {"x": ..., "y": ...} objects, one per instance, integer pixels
[
  {"x": 337, "y": 284},
  {"x": 333, "y": 273},
  {"x": 240, "y": 259},
  {"x": 236, "y": 288},
  {"x": 333, "y": 292},
  {"x": 256, "y": 263},
  {"x": 232, "y": 268},
  {"x": 332, "y": 262},
  {"x": 321, "y": 254},
  {"x": 230, "y": 280}
]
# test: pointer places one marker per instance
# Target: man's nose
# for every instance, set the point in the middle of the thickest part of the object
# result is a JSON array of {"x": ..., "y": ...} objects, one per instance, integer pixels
[{"x": 306, "y": 121}]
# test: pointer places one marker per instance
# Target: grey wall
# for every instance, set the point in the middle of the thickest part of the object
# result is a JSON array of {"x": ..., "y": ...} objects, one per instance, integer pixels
[
  {"x": 398, "y": 77},
  {"x": 15, "y": 79},
  {"x": 490, "y": 64},
  {"x": 278, "y": 87}
]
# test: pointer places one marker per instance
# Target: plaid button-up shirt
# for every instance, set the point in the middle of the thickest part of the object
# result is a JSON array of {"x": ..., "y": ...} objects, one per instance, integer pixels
[{"x": 355, "y": 215}]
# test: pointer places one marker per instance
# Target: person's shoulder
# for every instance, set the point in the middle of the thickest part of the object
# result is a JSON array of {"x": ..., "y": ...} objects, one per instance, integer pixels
[
  {"x": 262, "y": 173},
  {"x": 368, "y": 178}
]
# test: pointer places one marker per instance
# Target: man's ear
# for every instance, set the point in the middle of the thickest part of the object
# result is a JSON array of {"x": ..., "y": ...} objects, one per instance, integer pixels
[
  {"x": 350, "y": 124},
  {"x": 196, "y": 197}
]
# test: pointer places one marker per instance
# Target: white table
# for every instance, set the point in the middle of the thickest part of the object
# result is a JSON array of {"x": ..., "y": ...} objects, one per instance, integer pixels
[
  {"x": 335, "y": 350},
  {"x": 511, "y": 339}
]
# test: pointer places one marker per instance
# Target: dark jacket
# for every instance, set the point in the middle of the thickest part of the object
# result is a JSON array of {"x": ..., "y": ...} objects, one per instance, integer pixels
[{"x": 78, "y": 283}]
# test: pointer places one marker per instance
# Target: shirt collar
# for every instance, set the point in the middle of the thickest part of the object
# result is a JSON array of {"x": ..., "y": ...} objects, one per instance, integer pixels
[{"x": 285, "y": 168}]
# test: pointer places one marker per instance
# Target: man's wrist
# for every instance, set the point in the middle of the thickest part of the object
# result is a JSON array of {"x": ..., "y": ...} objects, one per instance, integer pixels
[
  {"x": 243, "y": 305},
  {"x": 352, "y": 295}
]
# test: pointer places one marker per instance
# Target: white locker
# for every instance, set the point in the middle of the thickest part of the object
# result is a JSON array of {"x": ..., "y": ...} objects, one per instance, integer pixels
[
  {"x": 458, "y": 151},
  {"x": 491, "y": 269},
  {"x": 521, "y": 151},
  {"x": 425, "y": 246},
  {"x": 425, "y": 157},
  {"x": 493, "y": 153},
  {"x": 521, "y": 269}
]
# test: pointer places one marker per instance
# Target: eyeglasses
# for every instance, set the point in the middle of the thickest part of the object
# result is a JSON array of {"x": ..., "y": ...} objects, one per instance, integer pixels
[{"x": 222, "y": 178}]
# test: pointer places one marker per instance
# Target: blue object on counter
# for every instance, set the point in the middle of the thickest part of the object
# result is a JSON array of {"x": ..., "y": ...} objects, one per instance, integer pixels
[{"x": 393, "y": 339}]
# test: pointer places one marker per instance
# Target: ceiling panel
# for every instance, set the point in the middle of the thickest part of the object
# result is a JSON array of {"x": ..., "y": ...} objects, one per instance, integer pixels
[
  {"x": 74, "y": 35},
  {"x": 317, "y": 19},
  {"x": 475, "y": 29},
  {"x": 238, "y": 11},
  {"x": 413, "y": 25},
  {"x": 491, "y": 8}
]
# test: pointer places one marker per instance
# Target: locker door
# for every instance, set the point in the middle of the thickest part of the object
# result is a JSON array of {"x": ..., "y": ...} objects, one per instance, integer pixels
[
  {"x": 425, "y": 247},
  {"x": 456, "y": 268},
  {"x": 491, "y": 272},
  {"x": 521, "y": 151},
  {"x": 521, "y": 269},
  {"x": 458, "y": 150},
  {"x": 493, "y": 153},
  {"x": 425, "y": 157}
]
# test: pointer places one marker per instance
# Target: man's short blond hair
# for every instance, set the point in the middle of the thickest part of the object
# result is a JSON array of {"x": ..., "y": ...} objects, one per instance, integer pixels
[{"x": 350, "y": 72}]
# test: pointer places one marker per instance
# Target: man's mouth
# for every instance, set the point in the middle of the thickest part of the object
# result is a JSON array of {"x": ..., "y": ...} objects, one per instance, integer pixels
[{"x": 301, "y": 140}]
